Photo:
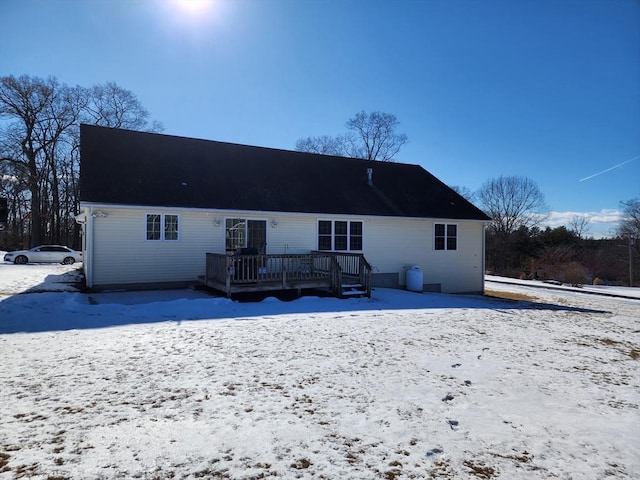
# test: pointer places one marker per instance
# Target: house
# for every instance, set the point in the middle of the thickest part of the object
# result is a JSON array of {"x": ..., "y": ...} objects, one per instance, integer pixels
[{"x": 154, "y": 208}]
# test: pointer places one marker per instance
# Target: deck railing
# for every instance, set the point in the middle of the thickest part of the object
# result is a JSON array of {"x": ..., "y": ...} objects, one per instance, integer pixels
[{"x": 236, "y": 273}]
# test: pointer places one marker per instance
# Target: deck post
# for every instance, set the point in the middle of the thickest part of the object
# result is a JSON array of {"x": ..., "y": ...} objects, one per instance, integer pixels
[
  {"x": 228, "y": 269},
  {"x": 283, "y": 268}
]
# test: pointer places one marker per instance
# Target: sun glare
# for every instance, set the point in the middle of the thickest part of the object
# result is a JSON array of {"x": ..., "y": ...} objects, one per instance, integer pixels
[
  {"x": 195, "y": 7},
  {"x": 194, "y": 15}
]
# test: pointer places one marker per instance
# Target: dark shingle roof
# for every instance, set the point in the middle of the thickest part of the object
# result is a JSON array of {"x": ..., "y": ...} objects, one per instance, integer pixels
[{"x": 136, "y": 168}]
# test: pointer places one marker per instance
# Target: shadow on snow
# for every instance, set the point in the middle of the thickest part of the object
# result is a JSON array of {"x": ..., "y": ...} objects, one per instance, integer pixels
[{"x": 45, "y": 308}]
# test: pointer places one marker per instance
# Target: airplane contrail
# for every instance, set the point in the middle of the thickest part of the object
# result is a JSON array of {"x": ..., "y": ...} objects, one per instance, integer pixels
[{"x": 609, "y": 169}]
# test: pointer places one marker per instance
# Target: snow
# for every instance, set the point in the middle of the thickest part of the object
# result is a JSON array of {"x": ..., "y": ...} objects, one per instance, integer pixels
[
  {"x": 182, "y": 384},
  {"x": 607, "y": 290}
]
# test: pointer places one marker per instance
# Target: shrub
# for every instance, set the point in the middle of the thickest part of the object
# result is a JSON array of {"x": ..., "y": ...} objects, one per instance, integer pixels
[
  {"x": 574, "y": 273},
  {"x": 568, "y": 272}
]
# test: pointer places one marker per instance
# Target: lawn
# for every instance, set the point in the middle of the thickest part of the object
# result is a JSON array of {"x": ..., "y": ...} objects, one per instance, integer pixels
[{"x": 180, "y": 384}]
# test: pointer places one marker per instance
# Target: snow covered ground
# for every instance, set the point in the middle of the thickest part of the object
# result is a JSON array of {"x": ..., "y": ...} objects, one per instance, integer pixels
[
  {"x": 606, "y": 290},
  {"x": 181, "y": 384}
]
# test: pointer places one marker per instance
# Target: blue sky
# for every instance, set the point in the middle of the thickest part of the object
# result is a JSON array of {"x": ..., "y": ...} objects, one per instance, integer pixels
[{"x": 547, "y": 89}]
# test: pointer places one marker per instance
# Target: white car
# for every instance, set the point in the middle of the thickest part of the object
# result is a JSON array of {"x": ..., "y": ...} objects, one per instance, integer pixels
[{"x": 44, "y": 254}]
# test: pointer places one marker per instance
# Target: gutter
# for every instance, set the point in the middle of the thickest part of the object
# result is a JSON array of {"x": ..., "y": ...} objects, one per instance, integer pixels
[{"x": 484, "y": 253}]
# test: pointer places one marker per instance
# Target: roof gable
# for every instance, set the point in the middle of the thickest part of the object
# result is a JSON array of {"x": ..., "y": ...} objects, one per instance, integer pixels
[{"x": 135, "y": 168}]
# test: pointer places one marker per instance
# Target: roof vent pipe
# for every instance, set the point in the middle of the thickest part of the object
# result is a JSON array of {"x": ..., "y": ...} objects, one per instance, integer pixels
[{"x": 370, "y": 176}]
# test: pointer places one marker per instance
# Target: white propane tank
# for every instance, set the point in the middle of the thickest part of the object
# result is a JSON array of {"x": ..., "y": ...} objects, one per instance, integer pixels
[{"x": 414, "y": 279}]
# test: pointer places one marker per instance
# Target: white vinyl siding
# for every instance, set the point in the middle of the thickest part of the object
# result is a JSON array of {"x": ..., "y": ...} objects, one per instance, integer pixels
[
  {"x": 123, "y": 256},
  {"x": 292, "y": 234},
  {"x": 461, "y": 270},
  {"x": 458, "y": 271}
]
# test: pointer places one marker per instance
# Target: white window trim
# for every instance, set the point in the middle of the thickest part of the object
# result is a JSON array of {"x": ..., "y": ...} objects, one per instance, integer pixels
[
  {"x": 333, "y": 234},
  {"x": 162, "y": 228},
  {"x": 445, "y": 249}
]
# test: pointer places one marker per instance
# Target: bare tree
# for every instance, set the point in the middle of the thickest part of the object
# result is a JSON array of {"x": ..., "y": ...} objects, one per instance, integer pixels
[
  {"x": 369, "y": 135},
  {"x": 466, "y": 192},
  {"x": 113, "y": 106},
  {"x": 39, "y": 112},
  {"x": 324, "y": 145},
  {"x": 629, "y": 226},
  {"x": 515, "y": 205},
  {"x": 39, "y": 150},
  {"x": 579, "y": 225},
  {"x": 512, "y": 203},
  {"x": 373, "y": 136},
  {"x": 629, "y": 229}
]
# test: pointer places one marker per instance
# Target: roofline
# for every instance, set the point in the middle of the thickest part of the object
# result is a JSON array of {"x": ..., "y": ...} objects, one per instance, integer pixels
[
  {"x": 267, "y": 212},
  {"x": 274, "y": 149}
]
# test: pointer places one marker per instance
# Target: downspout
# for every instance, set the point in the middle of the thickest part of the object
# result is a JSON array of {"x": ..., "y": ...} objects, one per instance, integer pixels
[
  {"x": 484, "y": 254},
  {"x": 88, "y": 267}
]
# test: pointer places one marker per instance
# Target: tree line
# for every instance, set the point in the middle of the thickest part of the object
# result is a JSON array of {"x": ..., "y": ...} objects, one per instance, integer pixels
[
  {"x": 517, "y": 244},
  {"x": 40, "y": 152}
]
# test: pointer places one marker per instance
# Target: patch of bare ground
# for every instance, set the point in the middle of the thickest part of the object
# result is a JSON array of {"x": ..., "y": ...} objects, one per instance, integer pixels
[
  {"x": 302, "y": 464},
  {"x": 624, "y": 348},
  {"x": 441, "y": 469},
  {"x": 208, "y": 473},
  {"x": 517, "y": 297},
  {"x": 524, "y": 457},
  {"x": 480, "y": 471},
  {"x": 4, "y": 462},
  {"x": 26, "y": 470},
  {"x": 392, "y": 474}
]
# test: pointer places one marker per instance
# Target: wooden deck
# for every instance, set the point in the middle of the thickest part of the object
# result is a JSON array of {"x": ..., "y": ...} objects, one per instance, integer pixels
[{"x": 343, "y": 274}]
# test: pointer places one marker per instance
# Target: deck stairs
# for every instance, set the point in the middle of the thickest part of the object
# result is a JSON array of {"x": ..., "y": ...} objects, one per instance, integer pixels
[{"x": 352, "y": 288}]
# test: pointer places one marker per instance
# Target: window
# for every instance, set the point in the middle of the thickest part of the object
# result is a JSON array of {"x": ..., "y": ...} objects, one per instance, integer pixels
[
  {"x": 445, "y": 236},
  {"x": 355, "y": 236},
  {"x": 171, "y": 227},
  {"x": 339, "y": 235},
  {"x": 162, "y": 227},
  {"x": 153, "y": 227},
  {"x": 324, "y": 235}
]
